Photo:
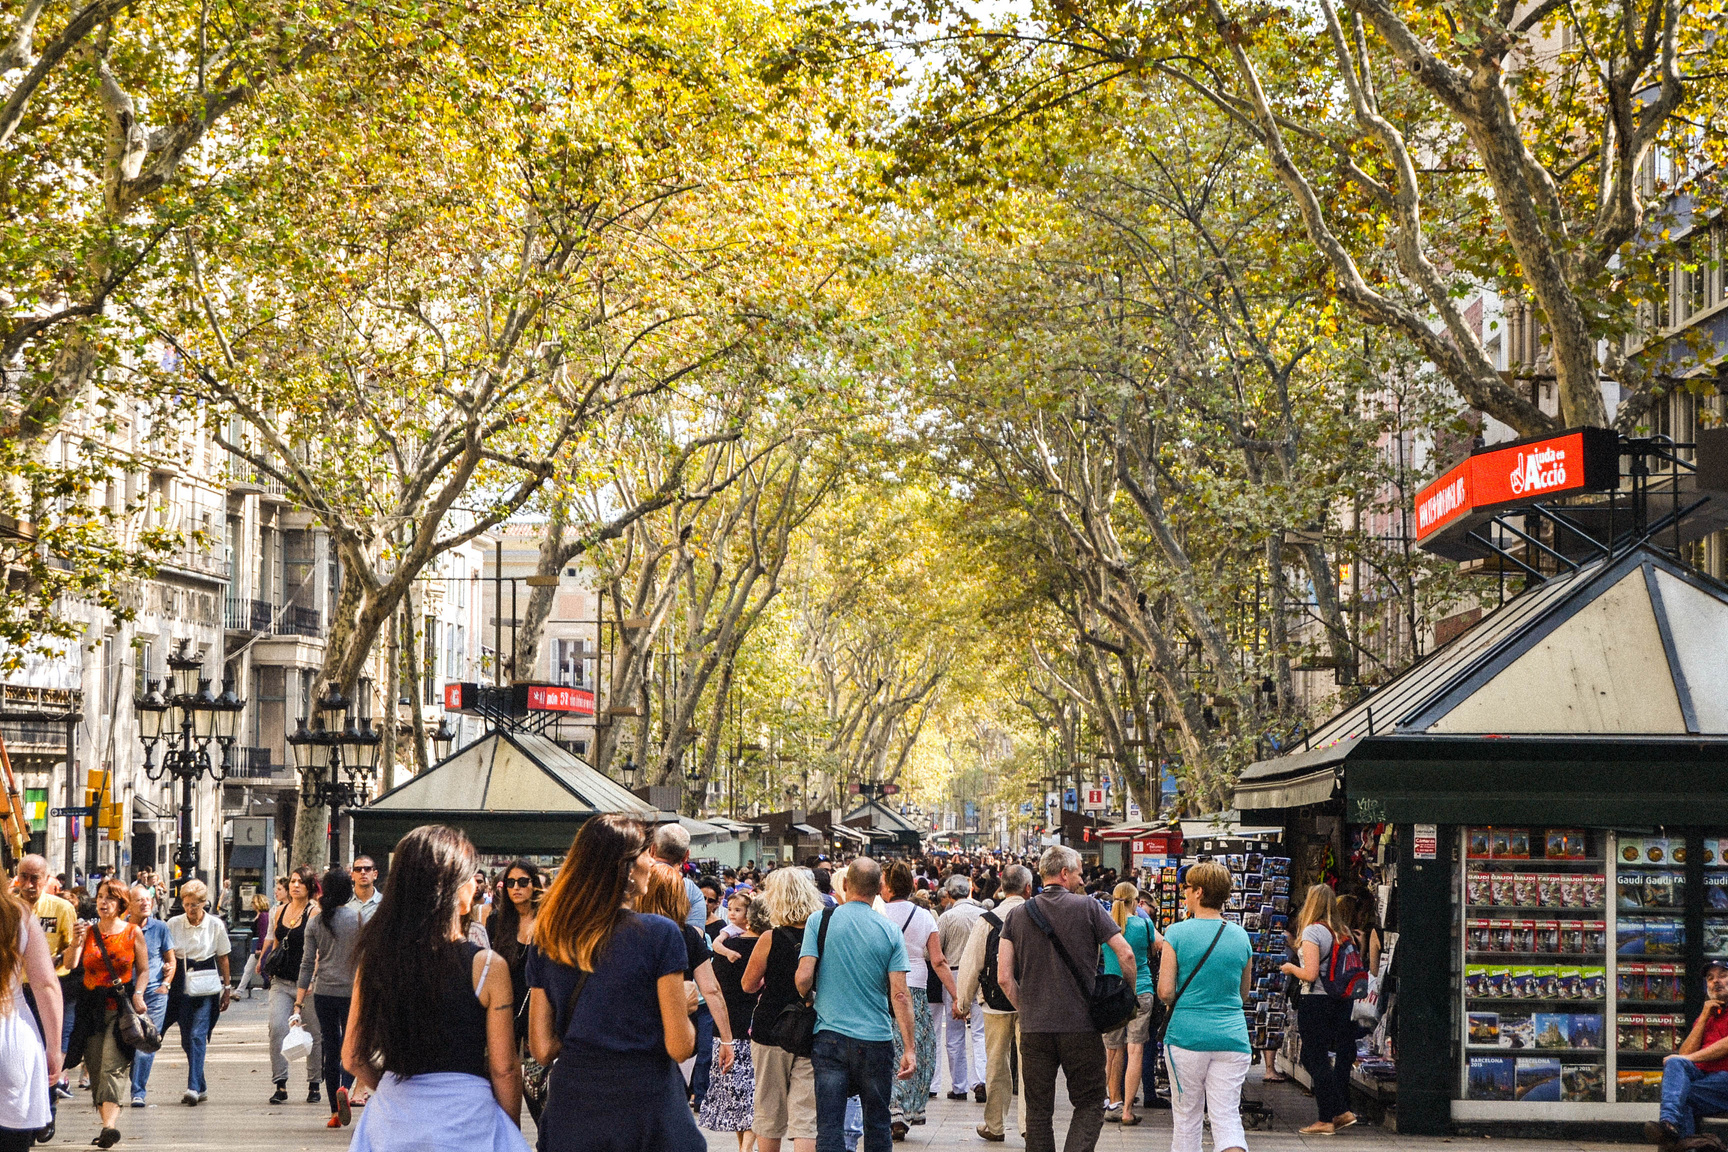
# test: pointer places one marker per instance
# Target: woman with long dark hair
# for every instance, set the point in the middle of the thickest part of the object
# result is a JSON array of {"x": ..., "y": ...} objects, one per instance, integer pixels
[
  {"x": 280, "y": 959},
  {"x": 608, "y": 1003},
  {"x": 327, "y": 976},
  {"x": 515, "y": 909},
  {"x": 429, "y": 1031}
]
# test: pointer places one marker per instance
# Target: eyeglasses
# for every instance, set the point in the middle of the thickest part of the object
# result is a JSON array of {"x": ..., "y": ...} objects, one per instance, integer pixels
[
  {"x": 364, "y": 868},
  {"x": 519, "y": 882}
]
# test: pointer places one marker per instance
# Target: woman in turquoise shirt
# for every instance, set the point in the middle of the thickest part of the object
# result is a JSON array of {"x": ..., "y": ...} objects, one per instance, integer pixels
[
  {"x": 1204, "y": 968},
  {"x": 1125, "y": 1048}
]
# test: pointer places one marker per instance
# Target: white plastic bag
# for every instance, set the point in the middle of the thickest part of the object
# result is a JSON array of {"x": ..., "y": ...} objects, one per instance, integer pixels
[
  {"x": 297, "y": 1043},
  {"x": 1366, "y": 1011}
]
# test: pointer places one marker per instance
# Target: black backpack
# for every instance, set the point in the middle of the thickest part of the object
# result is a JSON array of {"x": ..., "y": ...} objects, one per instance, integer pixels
[{"x": 994, "y": 997}]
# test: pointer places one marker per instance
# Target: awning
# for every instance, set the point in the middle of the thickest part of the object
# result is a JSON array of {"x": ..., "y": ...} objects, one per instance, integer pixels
[
  {"x": 852, "y": 834},
  {"x": 806, "y": 830},
  {"x": 1315, "y": 787}
]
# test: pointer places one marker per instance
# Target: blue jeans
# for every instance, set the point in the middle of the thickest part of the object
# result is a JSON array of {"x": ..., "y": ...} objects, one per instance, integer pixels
[
  {"x": 704, "y": 1021},
  {"x": 157, "y": 1004},
  {"x": 846, "y": 1067},
  {"x": 197, "y": 1018},
  {"x": 1689, "y": 1092}
]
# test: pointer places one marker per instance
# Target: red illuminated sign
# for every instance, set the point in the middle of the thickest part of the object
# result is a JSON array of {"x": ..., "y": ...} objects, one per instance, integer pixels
[
  {"x": 1523, "y": 472},
  {"x": 554, "y": 698},
  {"x": 460, "y": 697}
]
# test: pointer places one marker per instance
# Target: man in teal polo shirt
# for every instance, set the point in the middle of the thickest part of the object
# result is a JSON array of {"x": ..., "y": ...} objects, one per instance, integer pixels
[{"x": 860, "y": 998}]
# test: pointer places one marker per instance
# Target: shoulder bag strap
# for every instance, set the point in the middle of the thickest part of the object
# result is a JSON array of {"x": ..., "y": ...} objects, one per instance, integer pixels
[
  {"x": 1043, "y": 923},
  {"x": 821, "y": 942},
  {"x": 1204, "y": 956},
  {"x": 102, "y": 947}
]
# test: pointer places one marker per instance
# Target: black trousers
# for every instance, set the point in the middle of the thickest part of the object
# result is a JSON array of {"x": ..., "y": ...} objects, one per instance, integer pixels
[
  {"x": 1080, "y": 1056},
  {"x": 1328, "y": 1051}
]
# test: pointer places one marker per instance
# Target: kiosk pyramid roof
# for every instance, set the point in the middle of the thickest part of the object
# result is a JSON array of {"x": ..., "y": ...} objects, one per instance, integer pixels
[{"x": 1633, "y": 648}]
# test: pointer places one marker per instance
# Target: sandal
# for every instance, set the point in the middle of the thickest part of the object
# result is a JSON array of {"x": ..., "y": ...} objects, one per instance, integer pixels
[
  {"x": 1318, "y": 1128},
  {"x": 1130, "y": 1121}
]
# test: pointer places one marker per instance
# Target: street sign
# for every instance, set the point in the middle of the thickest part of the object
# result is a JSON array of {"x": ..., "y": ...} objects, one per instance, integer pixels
[
  {"x": 1096, "y": 800},
  {"x": 80, "y": 810}
]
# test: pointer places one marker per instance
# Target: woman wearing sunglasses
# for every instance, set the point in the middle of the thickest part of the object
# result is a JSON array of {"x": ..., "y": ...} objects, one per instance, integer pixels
[{"x": 518, "y": 904}]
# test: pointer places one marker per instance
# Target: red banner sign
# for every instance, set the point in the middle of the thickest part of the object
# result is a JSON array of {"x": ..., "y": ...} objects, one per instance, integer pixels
[
  {"x": 553, "y": 698},
  {"x": 1523, "y": 472}
]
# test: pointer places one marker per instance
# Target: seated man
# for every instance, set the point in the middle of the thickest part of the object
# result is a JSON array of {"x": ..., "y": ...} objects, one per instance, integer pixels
[{"x": 1695, "y": 1079}]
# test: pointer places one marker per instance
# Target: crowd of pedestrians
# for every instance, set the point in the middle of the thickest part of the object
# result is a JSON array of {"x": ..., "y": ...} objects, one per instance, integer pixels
[{"x": 629, "y": 1002}]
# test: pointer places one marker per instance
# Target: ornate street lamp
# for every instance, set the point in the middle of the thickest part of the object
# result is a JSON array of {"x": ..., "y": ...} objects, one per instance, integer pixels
[
  {"x": 444, "y": 738},
  {"x": 629, "y": 771},
  {"x": 336, "y": 758},
  {"x": 185, "y": 721}
]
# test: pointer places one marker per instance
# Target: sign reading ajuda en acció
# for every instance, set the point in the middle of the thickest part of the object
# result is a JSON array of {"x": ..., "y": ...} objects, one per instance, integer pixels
[{"x": 1522, "y": 472}]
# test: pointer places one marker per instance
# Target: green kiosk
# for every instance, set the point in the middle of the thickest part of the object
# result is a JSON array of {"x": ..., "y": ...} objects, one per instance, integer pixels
[{"x": 1554, "y": 783}]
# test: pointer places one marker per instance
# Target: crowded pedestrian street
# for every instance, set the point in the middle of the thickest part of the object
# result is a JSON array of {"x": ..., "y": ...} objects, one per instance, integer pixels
[{"x": 236, "y": 1117}]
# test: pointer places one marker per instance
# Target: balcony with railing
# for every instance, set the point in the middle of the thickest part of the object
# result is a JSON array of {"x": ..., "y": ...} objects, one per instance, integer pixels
[
  {"x": 240, "y": 614},
  {"x": 252, "y": 764}
]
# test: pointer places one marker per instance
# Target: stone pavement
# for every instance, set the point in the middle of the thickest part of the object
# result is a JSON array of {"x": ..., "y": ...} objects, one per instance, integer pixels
[{"x": 237, "y": 1116}]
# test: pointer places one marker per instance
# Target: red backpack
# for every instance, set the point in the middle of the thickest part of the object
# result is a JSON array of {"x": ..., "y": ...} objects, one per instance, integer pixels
[{"x": 1343, "y": 976}]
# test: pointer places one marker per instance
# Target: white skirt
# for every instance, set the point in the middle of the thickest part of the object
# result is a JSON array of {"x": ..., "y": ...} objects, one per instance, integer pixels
[
  {"x": 437, "y": 1111},
  {"x": 23, "y": 1068}
]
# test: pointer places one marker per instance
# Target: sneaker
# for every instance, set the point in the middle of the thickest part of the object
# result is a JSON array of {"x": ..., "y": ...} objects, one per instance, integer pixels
[
  {"x": 312, "y": 1096},
  {"x": 960, "y": 1095},
  {"x": 342, "y": 1107},
  {"x": 137, "y": 1101},
  {"x": 62, "y": 1092},
  {"x": 108, "y": 1138},
  {"x": 978, "y": 1093},
  {"x": 281, "y": 1096},
  {"x": 984, "y": 1133},
  {"x": 190, "y": 1099},
  {"x": 203, "y": 1096}
]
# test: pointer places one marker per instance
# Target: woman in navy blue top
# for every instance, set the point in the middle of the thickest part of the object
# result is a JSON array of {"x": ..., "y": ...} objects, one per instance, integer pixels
[{"x": 606, "y": 1002}]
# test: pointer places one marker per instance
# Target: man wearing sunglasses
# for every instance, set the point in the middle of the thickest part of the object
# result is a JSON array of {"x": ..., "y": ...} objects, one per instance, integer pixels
[{"x": 365, "y": 898}]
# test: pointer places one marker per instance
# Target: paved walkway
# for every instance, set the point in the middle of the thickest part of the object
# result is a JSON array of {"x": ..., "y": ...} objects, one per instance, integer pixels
[{"x": 237, "y": 1116}]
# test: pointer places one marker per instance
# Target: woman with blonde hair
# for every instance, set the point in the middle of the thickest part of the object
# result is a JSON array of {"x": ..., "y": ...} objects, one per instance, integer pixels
[
  {"x": 607, "y": 1002},
  {"x": 785, "y": 1103},
  {"x": 1125, "y": 1048},
  {"x": 1323, "y": 1022},
  {"x": 28, "y": 1065},
  {"x": 1204, "y": 973}
]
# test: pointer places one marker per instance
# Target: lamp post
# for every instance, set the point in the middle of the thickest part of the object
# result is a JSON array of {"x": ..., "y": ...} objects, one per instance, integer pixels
[
  {"x": 337, "y": 757},
  {"x": 185, "y": 719}
]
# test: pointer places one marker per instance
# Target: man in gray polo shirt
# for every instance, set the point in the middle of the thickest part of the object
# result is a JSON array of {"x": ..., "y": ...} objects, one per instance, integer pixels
[{"x": 1055, "y": 1027}]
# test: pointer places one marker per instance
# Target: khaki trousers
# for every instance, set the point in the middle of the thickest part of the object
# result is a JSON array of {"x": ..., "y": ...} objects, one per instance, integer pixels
[{"x": 1001, "y": 1039}]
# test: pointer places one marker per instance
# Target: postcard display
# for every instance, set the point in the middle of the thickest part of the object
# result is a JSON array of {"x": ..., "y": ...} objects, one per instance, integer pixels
[{"x": 1555, "y": 1022}]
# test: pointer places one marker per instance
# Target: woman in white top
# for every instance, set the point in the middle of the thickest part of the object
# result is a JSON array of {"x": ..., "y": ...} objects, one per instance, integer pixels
[
  {"x": 201, "y": 945},
  {"x": 27, "y": 1065},
  {"x": 923, "y": 953}
]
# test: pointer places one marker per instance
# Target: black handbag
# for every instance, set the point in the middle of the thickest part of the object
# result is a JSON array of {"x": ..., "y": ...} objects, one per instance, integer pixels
[
  {"x": 136, "y": 1032},
  {"x": 794, "y": 1028},
  {"x": 1112, "y": 1002}
]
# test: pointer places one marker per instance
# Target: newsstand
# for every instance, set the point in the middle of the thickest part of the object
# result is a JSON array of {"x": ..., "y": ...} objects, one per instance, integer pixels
[{"x": 1550, "y": 790}]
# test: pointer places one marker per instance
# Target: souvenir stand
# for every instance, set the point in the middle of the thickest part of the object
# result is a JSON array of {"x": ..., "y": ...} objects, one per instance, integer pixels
[{"x": 1543, "y": 797}]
